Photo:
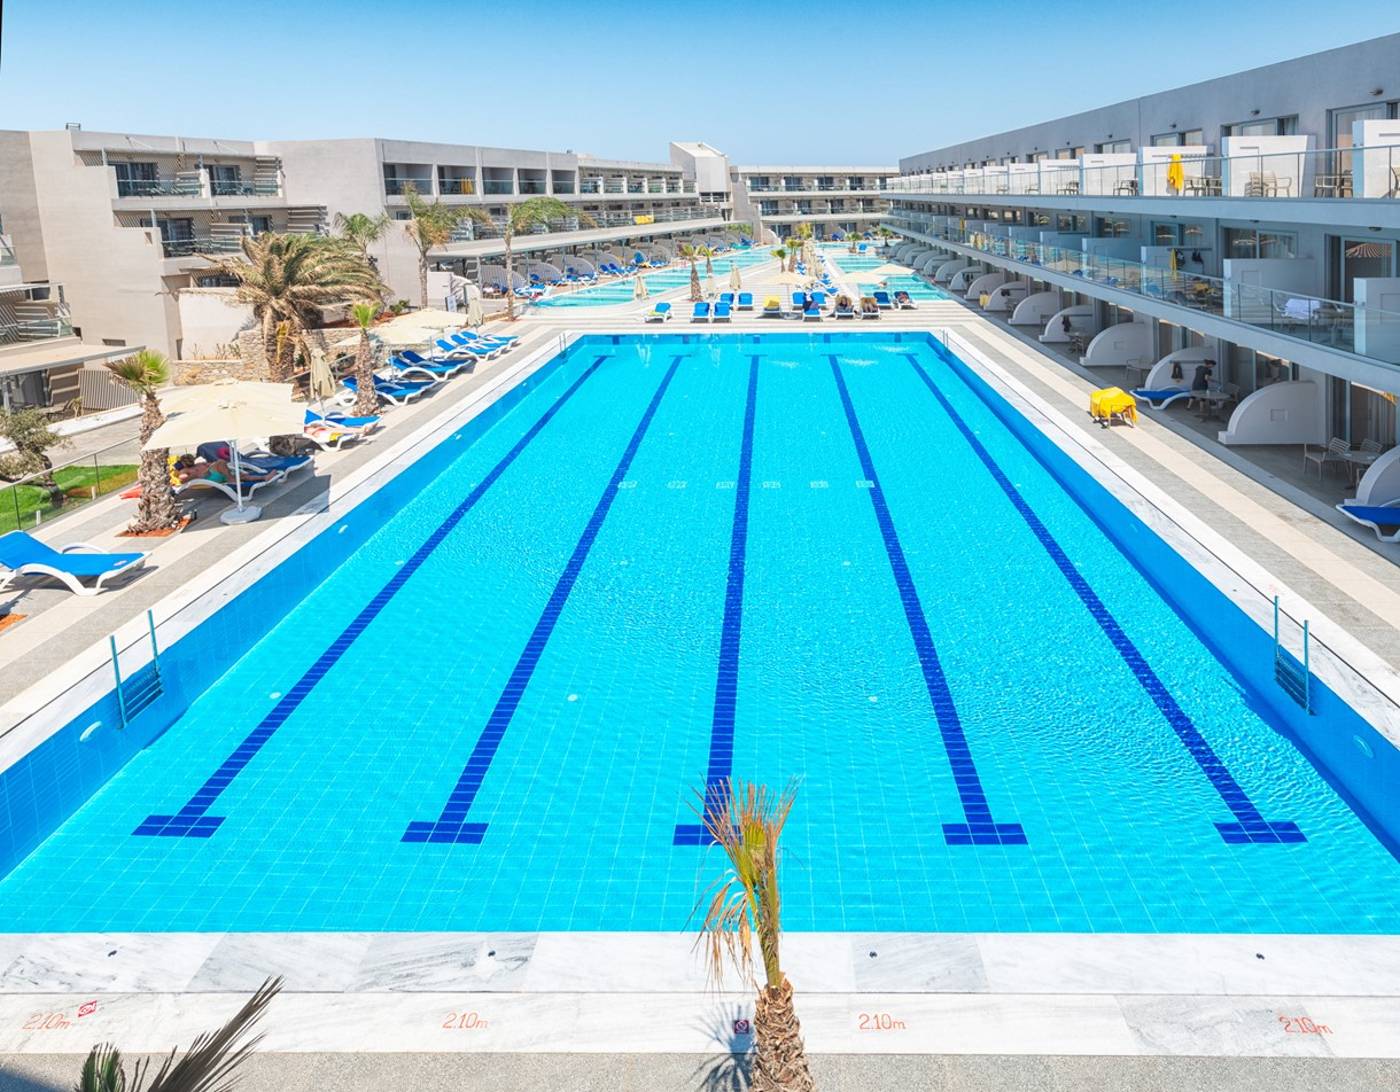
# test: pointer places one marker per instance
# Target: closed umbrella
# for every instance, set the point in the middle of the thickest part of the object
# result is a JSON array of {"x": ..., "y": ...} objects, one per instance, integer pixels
[
  {"x": 1176, "y": 174},
  {"x": 474, "y": 315},
  {"x": 232, "y": 411},
  {"x": 735, "y": 281},
  {"x": 639, "y": 288}
]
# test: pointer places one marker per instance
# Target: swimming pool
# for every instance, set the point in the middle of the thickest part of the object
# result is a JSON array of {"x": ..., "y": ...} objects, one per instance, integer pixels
[
  {"x": 818, "y": 556},
  {"x": 851, "y": 265},
  {"x": 622, "y": 291}
]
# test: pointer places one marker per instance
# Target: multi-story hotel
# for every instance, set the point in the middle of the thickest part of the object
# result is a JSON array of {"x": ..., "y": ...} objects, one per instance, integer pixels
[
  {"x": 1252, "y": 220},
  {"x": 833, "y": 201}
]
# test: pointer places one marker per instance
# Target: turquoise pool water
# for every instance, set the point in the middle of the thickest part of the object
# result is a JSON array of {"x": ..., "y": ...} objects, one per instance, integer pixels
[
  {"x": 658, "y": 284},
  {"x": 820, "y": 557},
  {"x": 852, "y": 265}
]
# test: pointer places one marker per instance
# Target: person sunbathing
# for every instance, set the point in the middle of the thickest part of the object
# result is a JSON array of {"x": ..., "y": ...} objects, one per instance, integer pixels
[
  {"x": 901, "y": 297},
  {"x": 868, "y": 304},
  {"x": 187, "y": 468}
]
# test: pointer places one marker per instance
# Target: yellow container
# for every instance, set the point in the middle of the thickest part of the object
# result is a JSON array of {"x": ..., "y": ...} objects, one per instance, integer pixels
[{"x": 1111, "y": 402}]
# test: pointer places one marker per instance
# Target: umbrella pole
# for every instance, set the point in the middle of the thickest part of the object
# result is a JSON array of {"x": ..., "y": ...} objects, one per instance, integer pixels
[{"x": 239, "y": 513}]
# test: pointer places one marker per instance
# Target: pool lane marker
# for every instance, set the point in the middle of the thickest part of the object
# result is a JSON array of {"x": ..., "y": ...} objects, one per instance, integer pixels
[
  {"x": 979, "y": 829},
  {"x": 452, "y": 826},
  {"x": 192, "y": 820},
  {"x": 721, "y": 762},
  {"x": 1249, "y": 826}
]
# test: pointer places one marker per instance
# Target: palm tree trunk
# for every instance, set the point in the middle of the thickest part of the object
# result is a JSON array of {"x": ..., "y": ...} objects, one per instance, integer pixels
[
  {"x": 366, "y": 401},
  {"x": 156, "y": 510},
  {"x": 780, "y": 1063},
  {"x": 510, "y": 274},
  {"x": 423, "y": 278},
  {"x": 695, "y": 294}
]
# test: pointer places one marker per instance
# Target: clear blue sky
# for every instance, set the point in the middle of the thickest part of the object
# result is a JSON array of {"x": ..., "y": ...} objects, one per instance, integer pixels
[{"x": 857, "y": 82}]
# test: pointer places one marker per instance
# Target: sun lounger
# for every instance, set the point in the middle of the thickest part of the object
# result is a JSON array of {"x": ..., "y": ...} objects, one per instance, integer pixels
[
  {"x": 869, "y": 309},
  {"x": 745, "y": 302},
  {"x": 727, "y": 298},
  {"x": 799, "y": 304},
  {"x": 882, "y": 300},
  {"x": 432, "y": 371},
  {"x": 701, "y": 312},
  {"x": 1375, "y": 516},
  {"x": 340, "y": 420},
  {"x": 819, "y": 300},
  {"x": 721, "y": 312},
  {"x": 266, "y": 463},
  {"x": 398, "y": 394},
  {"x": 81, "y": 568},
  {"x": 812, "y": 313},
  {"x": 456, "y": 350},
  {"x": 904, "y": 301},
  {"x": 773, "y": 307},
  {"x": 844, "y": 311},
  {"x": 1160, "y": 399},
  {"x": 659, "y": 313}
]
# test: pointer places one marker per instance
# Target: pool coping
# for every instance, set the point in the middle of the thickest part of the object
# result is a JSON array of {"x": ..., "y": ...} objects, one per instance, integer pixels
[{"x": 1062, "y": 993}]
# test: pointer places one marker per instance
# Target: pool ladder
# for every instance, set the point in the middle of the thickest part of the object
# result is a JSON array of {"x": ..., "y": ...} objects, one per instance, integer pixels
[
  {"x": 1294, "y": 676},
  {"x": 138, "y": 691}
]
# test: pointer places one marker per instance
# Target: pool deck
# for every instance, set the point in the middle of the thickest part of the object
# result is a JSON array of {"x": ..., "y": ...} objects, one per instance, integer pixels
[{"x": 633, "y": 1010}]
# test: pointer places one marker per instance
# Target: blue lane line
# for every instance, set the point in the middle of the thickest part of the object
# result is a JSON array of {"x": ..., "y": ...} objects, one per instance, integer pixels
[
  {"x": 191, "y": 821},
  {"x": 721, "y": 763},
  {"x": 980, "y": 828},
  {"x": 1249, "y": 825},
  {"x": 452, "y": 825}
]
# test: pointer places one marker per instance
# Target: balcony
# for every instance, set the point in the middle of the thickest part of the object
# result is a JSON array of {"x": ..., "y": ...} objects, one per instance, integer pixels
[
  {"x": 201, "y": 244},
  {"x": 159, "y": 187},
  {"x": 498, "y": 187},
  {"x": 397, "y": 187},
  {"x": 36, "y": 312},
  {"x": 1331, "y": 324},
  {"x": 531, "y": 187},
  {"x": 1355, "y": 173},
  {"x": 456, "y": 187}
]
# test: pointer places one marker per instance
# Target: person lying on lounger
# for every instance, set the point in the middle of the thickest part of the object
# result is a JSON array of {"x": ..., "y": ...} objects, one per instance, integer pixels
[
  {"x": 187, "y": 468},
  {"x": 867, "y": 303},
  {"x": 901, "y": 297}
]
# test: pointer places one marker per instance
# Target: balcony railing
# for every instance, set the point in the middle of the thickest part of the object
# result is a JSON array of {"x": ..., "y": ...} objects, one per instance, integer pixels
[
  {"x": 224, "y": 187},
  {"x": 1345, "y": 173},
  {"x": 833, "y": 188},
  {"x": 7, "y": 254},
  {"x": 158, "y": 187},
  {"x": 1330, "y": 323},
  {"x": 498, "y": 187},
  {"x": 533, "y": 186},
  {"x": 471, "y": 230},
  {"x": 397, "y": 187},
  {"x": 200, "y": 244},
  {"x": 456, "y": 187},
  {"x": 38, "y": 312}
]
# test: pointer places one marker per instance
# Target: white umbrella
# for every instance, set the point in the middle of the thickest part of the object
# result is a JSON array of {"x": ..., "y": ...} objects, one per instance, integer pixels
[
  {"x": 639, "y": 288},
  {"x": 880, "y": 272},
  {"x": 709, "y": 285},
  {"x": 232, "y": 411},
  {"x": 794, "y": 279},
  {"x": 735, "y": 281},
  {"x": 474, "y": 315}
]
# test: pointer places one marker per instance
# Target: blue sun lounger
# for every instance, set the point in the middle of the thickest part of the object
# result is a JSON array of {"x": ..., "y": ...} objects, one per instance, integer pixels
[
  {"x": 721, "y": 312},
  {"x": 75, "y": 565},
  {"x": 434, "y": 371},
  {"x": 400, "y": 394},
  {"x": 1161, "y": 399},
  {"x": 727, "y": 298},
  {"x": 1374, "y": 516},
  {"x": 661, "y": 312},
  {"x": 882, "y": 300},
  {"x": 745, "y": 302},
  {"x": 701, "y": 313}
]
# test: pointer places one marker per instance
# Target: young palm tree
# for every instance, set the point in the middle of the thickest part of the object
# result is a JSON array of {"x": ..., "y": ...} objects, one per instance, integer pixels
[
  {"x": 288, "y": 279},
  {"x": 885, "y": 234},
  {"x": 432, "y": 225},
  {"x": 693, "y": 253},
  {"x": 526, "y": 216},
  {"x": 366, "y": 402},
  {"x": 781, "y": 254},
  {"x": 362, "y": 229},
  {"x": 800, "y": 234},
  {"x": 709, "y": 254},
  {"x": 746, "y": 821},
  {"x": 853, "y": 241},
  {"x": 145, "y": 373},
  {"x": 208, "y": 1066}
]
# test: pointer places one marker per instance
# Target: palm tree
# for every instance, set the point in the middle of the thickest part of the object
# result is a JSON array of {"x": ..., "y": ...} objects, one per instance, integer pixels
[
  {"x": 746, "y": 821},
  {"x": 431, "y": 225},
  {"x": 366, "y": 401},
  {"x": 708, "y": 252},
  {"x": 208, "y": 1066},
  {"x": 781, "y": 254},
  {"x": 287, "y": 279},
  {"x": 526, "y": 216},
  {"x": 853, "y": 241},
  {"x": 800, "y": 234},
  {"x": 885, "y": 234},
  {"x": 693, "y": 253},
  {"x": 362, "y": 229},
  {"x": 145, "y": 373}
]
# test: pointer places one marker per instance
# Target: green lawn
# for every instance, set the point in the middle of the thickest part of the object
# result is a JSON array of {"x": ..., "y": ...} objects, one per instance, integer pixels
[{"x": 19, "y": 503}]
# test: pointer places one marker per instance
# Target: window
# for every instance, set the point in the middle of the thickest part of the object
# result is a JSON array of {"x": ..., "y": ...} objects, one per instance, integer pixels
[
  {"x": 224, "y": 179},
  {"x": 1113, "y": 146},
  {"x": 1167, "y": 140},
  {"x": 1249, "y": 243},
  {"x": 1193, "y": 137},
  {"x": 1065, "y": 153},
  {"x": 135, "y": 179},
  {"x": 1339, "y": 128},
  {"x": 1265, "y": 127}
]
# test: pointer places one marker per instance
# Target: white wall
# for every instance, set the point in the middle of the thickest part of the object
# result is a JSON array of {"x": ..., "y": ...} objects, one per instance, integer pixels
[
  {"x": 985, "y": 283},
  {"x": 1378, "y": 317},
  {"x": 1300, "y": 276},
  {"x": 1081, "y": 321},
  {"x": 1122, "y": 343},
  {"x": 1036, "y": 309},
  {"x": 1381, "y": 482},
  {"x": 1160, "y": 377},
  {"x": 1007, "y": 296},
  {"x": 1276, "y": 155},
  {"x": 950, "y": 267},
  {"x": 211, "y": 321},
  {"x": 1371, "y": 169},
  {"x": 1103, "y": 171},
  {"x": 1281, "y": 413}
]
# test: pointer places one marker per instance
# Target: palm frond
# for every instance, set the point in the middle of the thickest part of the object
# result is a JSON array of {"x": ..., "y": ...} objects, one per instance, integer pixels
[
  {"x": 214, "y": 1057},
  {"x": 102, "y": 1071},
  {"x": 143, "y": 372}
]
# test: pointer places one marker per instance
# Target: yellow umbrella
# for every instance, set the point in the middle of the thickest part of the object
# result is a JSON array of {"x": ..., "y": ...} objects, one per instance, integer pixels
[
  {"x": 1171, "y": 260},
  {"x": 1176, "y": 174}
]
